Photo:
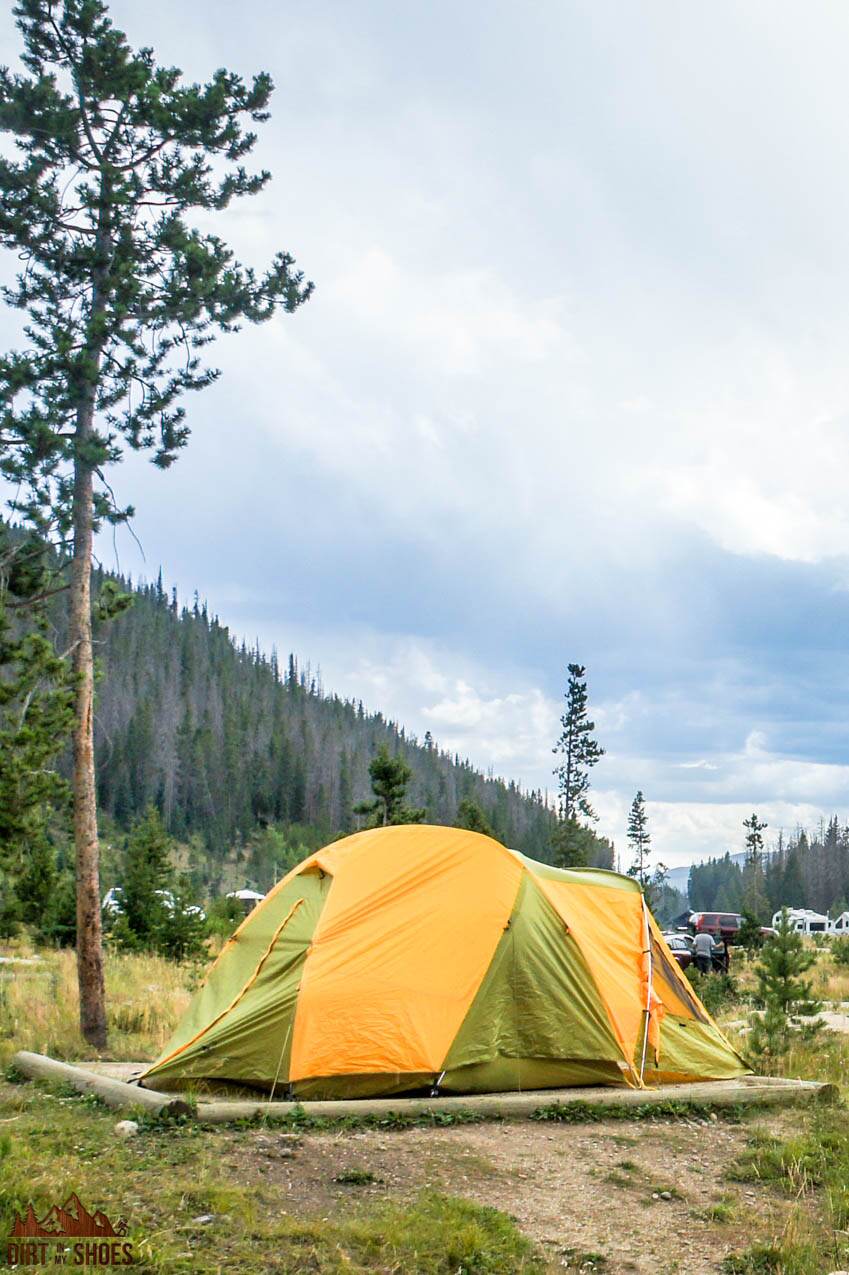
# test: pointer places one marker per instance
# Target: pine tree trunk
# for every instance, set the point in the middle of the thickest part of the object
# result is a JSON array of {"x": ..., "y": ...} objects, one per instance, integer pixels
[
  {"x": 89, "y": 937},
  {"x": 89, "y": 927}
]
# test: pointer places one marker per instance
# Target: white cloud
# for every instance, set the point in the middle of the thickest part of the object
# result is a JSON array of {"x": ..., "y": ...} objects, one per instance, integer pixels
[
  {"x": 460, "y": 321},
  {"x": 696, "y": 806}
]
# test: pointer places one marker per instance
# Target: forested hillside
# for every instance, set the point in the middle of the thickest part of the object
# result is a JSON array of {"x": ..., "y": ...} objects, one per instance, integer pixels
[
  {"x": 804, "y": 871},
  {"x": 225, "y": 740}
]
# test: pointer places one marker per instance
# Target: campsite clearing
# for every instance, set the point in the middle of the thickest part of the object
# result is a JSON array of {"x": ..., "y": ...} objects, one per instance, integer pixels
[
  {"x": 573, "y": 1189},
  {"x": 357, "y": 1200},
  {"x": 627, "y": 1197}
]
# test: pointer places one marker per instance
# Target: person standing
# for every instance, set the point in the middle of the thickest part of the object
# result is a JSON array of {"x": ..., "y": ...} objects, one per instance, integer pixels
[
  {"x": 723, "y": 956},
  {"x": 703, "y": 949}
]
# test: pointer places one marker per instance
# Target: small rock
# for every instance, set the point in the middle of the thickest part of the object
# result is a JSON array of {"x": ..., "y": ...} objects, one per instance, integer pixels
[
  {"x": 203, "y": 1219},
  {"x": 714, "y": 1116},
  {"x": 654, "y": 1195},
  {"x": 666, "y": 1195},
  {"x": 127, "y": 1128}
]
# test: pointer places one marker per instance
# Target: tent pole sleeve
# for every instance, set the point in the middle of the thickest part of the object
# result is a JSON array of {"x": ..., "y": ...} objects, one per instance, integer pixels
[{"x": 648, "y": 987}]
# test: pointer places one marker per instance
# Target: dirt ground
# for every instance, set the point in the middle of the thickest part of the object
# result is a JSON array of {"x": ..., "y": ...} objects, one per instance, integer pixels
[{"x": 649, "y": 1197}]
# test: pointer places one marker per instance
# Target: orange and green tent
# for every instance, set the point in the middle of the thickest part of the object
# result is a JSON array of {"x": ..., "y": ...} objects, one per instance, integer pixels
[{"x": 416, "y": 957}]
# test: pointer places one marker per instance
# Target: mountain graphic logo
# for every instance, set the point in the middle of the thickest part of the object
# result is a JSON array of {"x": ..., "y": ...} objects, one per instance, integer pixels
[{"x": 69, "y": 1220}]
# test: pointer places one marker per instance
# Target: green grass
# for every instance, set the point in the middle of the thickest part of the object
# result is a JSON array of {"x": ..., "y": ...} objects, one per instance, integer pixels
[
  {"x": 812, "y": 1166},
  {"x": 622, "y": 1174},
  {"x": 769, "y": 1259},
  {"x": 618, "y": 1179},
  {"x": 721, "y": 1211},
  {"x": 356, "y": 1177},
  {"x": 575, "y": 1259},
  {"x": 595, "y": 1112},
  {"x": 665, "y": 1188},
  {"x": 300, "y": 1120},
  {"x": 54, "y": 1144},
  {"x": 819, "y": 1157}
]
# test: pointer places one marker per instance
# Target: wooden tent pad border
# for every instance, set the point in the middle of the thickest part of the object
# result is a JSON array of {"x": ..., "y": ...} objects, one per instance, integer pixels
[{"x": 754, "y": 1091}]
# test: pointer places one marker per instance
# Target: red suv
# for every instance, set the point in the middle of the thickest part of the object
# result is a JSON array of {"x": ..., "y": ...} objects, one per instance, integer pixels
[{"x": 720, "y": 924}]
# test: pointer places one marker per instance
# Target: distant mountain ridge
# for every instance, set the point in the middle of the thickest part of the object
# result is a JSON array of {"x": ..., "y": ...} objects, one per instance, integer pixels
[{"x": 679, "y": 877}]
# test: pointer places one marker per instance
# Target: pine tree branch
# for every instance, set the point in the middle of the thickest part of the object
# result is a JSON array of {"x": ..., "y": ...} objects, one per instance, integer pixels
[{"x": 39, "y": 597}]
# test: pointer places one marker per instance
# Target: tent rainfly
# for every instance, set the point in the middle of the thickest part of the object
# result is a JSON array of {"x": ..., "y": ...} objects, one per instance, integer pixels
[{"x": 415, "y": 957}]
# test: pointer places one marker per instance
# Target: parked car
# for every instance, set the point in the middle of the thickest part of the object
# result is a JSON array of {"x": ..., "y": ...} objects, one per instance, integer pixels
[
  {"x": 681, "y": 947},
  {"x": 723, "y": 925}
]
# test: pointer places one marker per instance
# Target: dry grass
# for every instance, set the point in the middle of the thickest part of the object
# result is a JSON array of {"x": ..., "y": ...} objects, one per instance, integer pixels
[
  {"x": 825, "y": 1057},
  {"x": 39, "y": 1003},
  {"x": 830, "y": 981}
]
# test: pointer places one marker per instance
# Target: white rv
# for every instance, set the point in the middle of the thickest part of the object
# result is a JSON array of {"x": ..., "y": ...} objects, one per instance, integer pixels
[
  {"x": 840, "y": 924},
  {"x": 804, "y": 921},
  {"x": 248, "y": 898}
]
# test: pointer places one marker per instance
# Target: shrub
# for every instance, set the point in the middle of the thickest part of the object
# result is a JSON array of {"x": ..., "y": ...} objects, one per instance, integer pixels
[
  {"x": 715, "y": 991},
  {"x": 840, "y": 949},
  {"x": 749, "y": 935},
  {"x": 156, "y": 908},
  {"x": 223, "y": 916}
]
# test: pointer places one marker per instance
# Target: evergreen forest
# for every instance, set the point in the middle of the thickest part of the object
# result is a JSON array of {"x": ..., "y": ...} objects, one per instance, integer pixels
[
  {"x": 251, "y": 761},
  {"x": 803, "y": 871}
]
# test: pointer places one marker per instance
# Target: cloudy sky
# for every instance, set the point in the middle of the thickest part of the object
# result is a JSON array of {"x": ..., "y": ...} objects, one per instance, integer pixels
[{"x": 574, "y": 386}]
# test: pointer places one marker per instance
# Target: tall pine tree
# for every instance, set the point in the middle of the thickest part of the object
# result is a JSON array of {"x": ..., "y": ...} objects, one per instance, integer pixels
[
  {"x": 755, "y": 898},
  {"x": 116, "y": 158},
  {"x": 652, "y": 880},
  {"x": 579, "y": 752},
  {"x": 639, "y": 839}
]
